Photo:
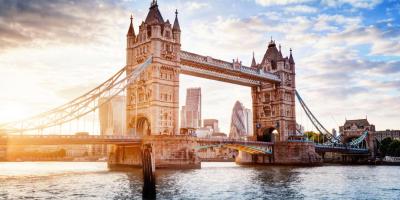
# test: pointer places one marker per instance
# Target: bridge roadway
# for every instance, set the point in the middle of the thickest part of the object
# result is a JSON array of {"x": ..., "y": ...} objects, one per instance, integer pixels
[
  {"x": 67, "y": 139},
  {"x": 254, "y": 147},
  {"x": 104, "y": 139},
  {"x": 322, "y": 148}
]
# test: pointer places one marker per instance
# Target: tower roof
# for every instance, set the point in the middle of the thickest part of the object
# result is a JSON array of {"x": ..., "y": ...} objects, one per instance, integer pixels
[
  {"x": 176, "y": 26},
  {"x": 131, "y": 30},
  {"x": 154, "y": 16},
  {"x": 272, "y": 53}
]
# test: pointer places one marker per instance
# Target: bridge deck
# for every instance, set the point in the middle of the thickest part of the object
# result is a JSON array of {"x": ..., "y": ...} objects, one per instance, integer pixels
[
  {"x": 67, "y": 140},
  {"x": 340, "y": 149}
]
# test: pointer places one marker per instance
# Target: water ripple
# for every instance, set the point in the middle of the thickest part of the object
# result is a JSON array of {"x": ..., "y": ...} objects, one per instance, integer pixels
[{"x": 213, "y": 181}]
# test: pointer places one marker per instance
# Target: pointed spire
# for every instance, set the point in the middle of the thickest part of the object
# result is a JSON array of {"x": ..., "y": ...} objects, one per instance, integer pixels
[
  {"x": 176, "y": 26},
  {"x": 291, "y": 60},
  {"x": 131, "y": 30},
  {"x": 253, "y": 62},
  {"x": 153, "y": 3},
  {"x": 154, "y": 16}
]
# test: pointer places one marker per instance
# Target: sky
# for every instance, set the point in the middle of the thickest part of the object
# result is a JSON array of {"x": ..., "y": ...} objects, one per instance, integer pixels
[{"x": 347, "y": 52}]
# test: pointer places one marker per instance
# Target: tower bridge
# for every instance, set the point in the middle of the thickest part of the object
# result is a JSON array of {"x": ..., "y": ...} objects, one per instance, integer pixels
[{"x": 150, "y": 80}]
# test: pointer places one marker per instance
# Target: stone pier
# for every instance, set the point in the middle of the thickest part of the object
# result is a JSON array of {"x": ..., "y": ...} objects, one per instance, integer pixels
[
  {"x": 176, "y": 152},
  {"x": 284, "y": 153}
]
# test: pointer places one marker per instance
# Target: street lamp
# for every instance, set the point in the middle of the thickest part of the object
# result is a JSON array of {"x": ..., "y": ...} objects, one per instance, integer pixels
[{"x": 276, "y": 133}]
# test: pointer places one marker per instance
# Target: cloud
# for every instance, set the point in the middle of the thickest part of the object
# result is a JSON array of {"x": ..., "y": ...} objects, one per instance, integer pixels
[
  {"x": 301, "y": 9},
  {"x": 192, "y": 5},
  {"x": 203, "y": 33},
  {"x": 354, "y": 3},
  {"x": 22, "y": 22},
  {"x": 279, "y": 2}
]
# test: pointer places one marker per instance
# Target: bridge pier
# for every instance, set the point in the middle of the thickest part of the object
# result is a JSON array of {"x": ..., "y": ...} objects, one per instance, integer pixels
[
  {"x": 125, "y": 156},
  {"x": 175, "y": 152},
  {"x": 284, "y": 153}
]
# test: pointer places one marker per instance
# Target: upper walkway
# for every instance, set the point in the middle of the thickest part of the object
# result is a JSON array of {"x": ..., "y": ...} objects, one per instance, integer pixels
[{"x": 211, "y": 68}]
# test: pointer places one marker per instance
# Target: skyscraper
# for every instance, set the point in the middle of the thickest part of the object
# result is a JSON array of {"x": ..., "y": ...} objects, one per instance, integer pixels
[
  {"x": 249, "y": 121},
  {"x": 112, "y": 116},
  {"x": 241, "y": 121},
  {"x": 191, "y": 111}
]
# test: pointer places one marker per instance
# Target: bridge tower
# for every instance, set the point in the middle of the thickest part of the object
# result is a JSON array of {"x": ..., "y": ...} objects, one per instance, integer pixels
[
  {"x": 274, "y": 103},
  {"x": 153, "y": 100}
]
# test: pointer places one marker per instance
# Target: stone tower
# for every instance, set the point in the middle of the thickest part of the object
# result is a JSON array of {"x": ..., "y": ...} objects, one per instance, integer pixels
[
  {"x": 152, "y": 106},
  {"x": 274, "y": 104}
]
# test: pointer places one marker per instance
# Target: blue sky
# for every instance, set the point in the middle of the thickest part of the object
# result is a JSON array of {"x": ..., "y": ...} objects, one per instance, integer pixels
[{"x": 347, "y": 52}]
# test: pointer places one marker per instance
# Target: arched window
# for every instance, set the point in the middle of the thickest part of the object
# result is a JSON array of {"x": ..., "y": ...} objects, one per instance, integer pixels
[
  {"x": 267, "y": 111},
  {"x": 149, "y": 31},
  {"x": 273, "y": 65}
]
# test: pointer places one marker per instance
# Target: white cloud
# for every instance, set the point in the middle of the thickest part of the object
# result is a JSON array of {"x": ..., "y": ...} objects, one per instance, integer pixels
[
  {"x": 301, "y": 9},
  {"x": 192, "y": 5},
  {"x": 279, "y": 2},
  {"x": 354, "y": 3}
]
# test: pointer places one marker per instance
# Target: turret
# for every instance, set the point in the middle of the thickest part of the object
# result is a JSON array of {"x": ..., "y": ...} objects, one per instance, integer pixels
[
  {"x": 130, "y": 36},
  {"x": 253, "y": 62},
  {"x": 291, "y": 61},
  {"x": 176, "y": 29},
  {"x": 130, "y": 42}
]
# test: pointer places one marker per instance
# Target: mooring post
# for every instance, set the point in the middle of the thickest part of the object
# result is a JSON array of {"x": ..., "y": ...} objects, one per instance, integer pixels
[{"x": 149, "y": 178}]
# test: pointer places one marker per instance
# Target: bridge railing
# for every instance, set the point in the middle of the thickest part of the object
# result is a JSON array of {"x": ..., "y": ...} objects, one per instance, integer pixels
[
  {"x": 223, "y": 140},
  {"x": 71, "y": 137},
  {"x": 340, "y": 146}
]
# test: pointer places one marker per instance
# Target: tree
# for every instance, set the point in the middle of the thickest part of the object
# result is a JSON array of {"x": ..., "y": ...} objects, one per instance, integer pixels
[
  {"x": 316, "y": 137},
  {"x": 384, "y": 145},
  {"x": 394, "y": 148}
]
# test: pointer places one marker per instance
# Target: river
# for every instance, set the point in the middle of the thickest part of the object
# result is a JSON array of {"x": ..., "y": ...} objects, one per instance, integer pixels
[{"x": 84, "y": 180}]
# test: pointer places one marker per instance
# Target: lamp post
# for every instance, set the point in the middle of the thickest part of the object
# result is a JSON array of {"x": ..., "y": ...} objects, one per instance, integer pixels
[{"x": 275, "y": 133}]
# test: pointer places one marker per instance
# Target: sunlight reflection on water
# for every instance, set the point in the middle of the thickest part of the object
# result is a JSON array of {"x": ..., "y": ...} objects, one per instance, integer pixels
[{"x": 68, "y": 180}]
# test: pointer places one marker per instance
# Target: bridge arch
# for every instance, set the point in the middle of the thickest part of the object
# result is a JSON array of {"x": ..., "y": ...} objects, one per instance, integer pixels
[
  {"x": 143, "y": 127},
  {"x": 140, "y": 126},
  {"x": 267, "y": 135}
]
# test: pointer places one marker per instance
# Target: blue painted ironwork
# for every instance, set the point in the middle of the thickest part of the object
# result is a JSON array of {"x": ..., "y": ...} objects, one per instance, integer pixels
[{"x": 359, "y": 139}]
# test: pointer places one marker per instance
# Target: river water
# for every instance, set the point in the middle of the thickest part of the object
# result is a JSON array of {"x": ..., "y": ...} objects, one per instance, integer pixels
[{"x": 80, "y": 180}]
